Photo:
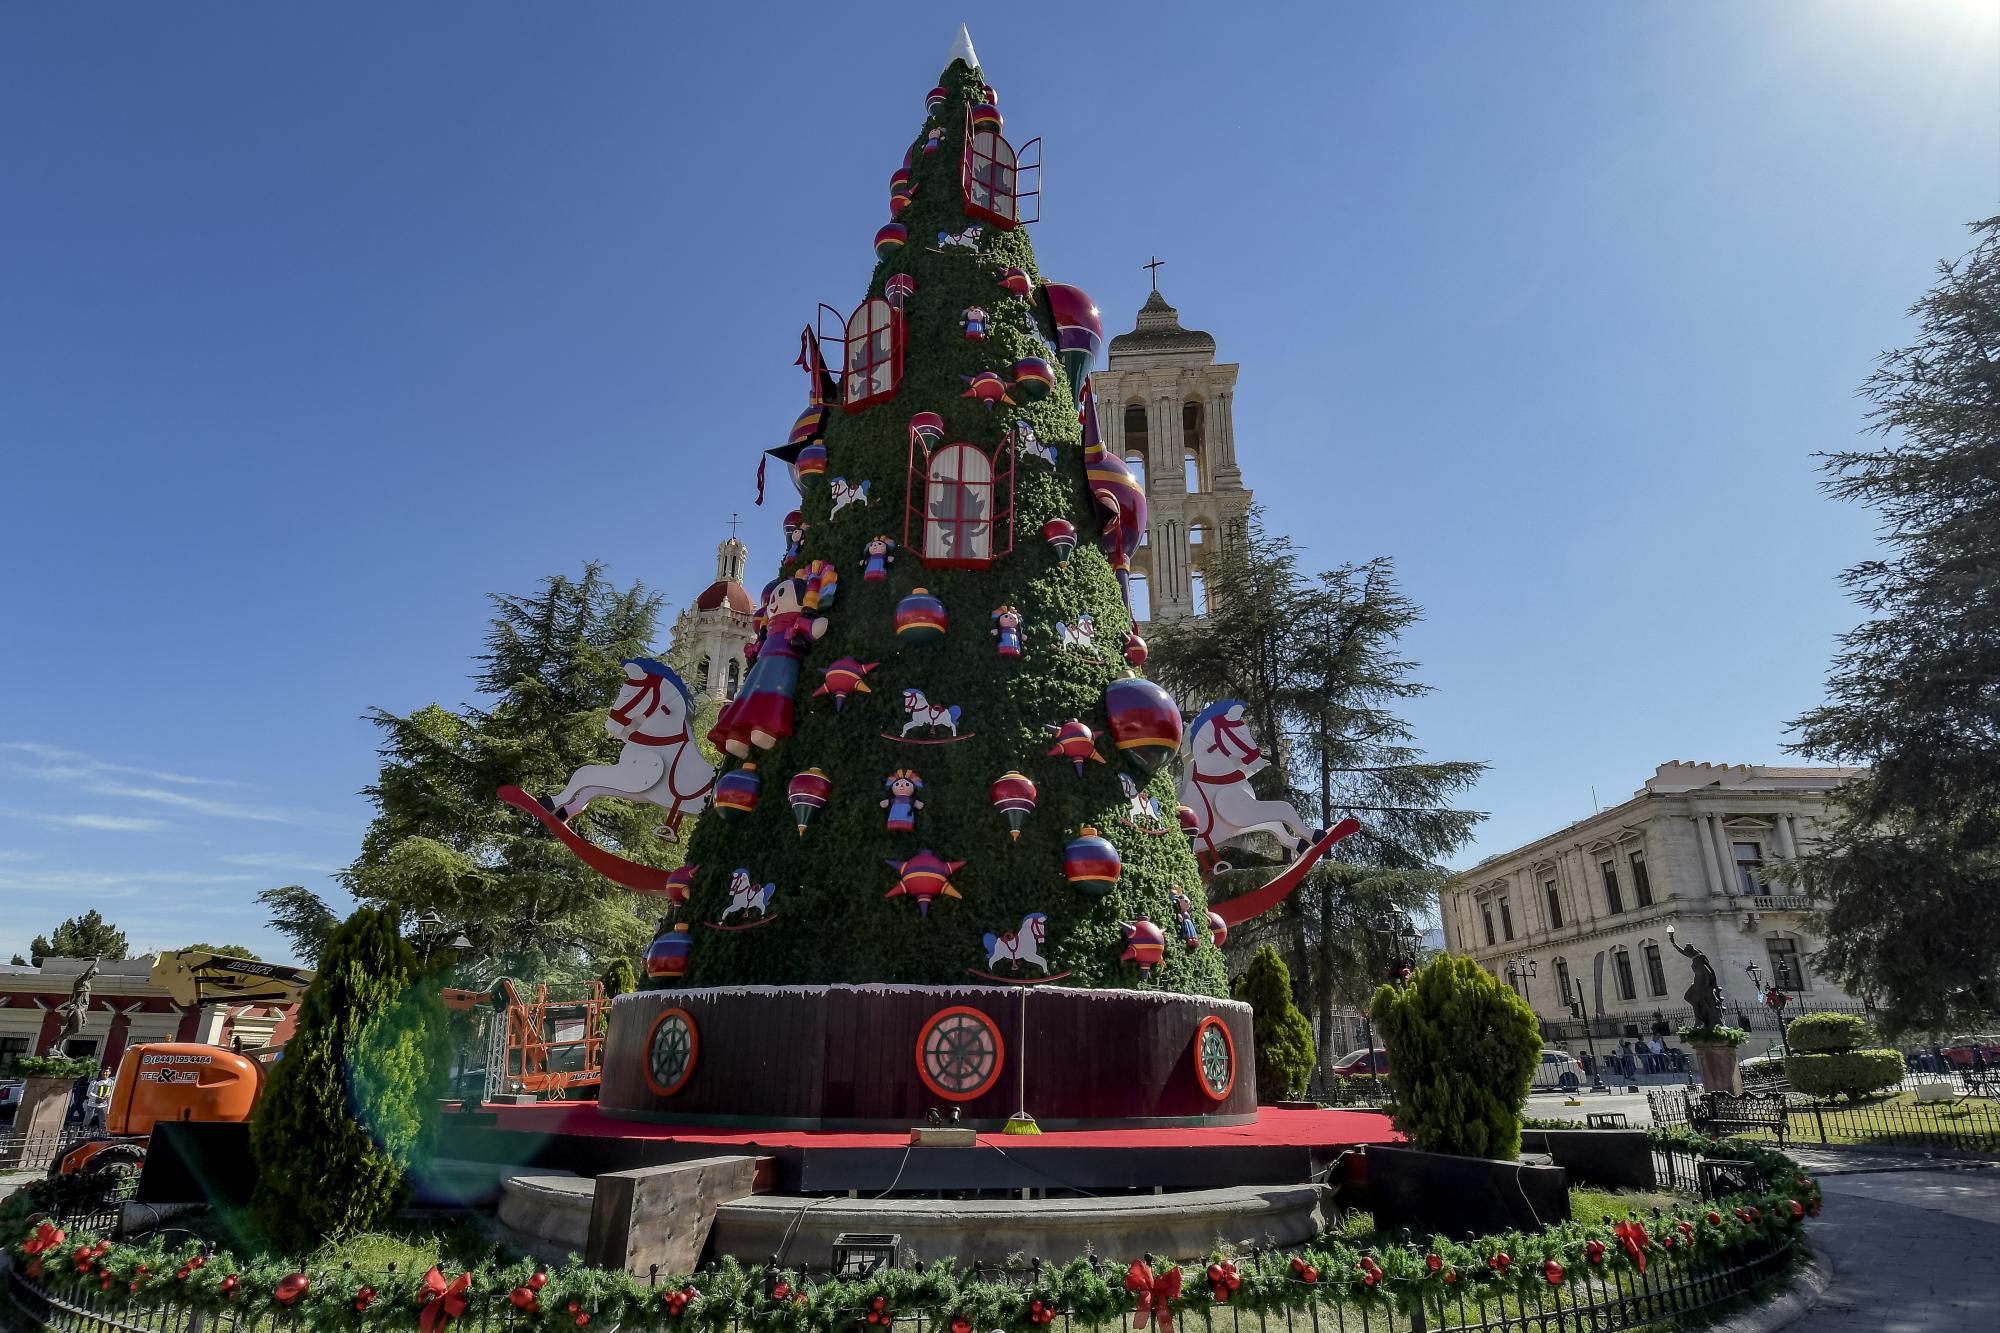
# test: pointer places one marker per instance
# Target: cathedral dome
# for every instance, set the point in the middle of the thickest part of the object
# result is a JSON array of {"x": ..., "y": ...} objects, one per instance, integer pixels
[
  {"x": 1159, "y": 330},
  {"x": 725, "y": 593}
]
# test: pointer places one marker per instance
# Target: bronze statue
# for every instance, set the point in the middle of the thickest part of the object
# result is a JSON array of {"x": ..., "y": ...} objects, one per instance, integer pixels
[
  {"x": 1704, "y": 995},
  {"x": 75, "y": 1011}
]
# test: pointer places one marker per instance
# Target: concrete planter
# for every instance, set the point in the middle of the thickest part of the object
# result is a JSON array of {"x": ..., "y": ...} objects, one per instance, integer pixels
[
  {"x": 1719, "y": 1069},
  {"x": 1463, "y": 1196},
  {"x": 1615, "y": 1159},
  {"x": 38, "y": 1124}
]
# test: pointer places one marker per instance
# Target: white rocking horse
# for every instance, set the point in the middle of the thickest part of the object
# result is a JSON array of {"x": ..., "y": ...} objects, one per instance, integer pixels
[
  {"x": 657, "y": 765},
  {"x": 1019, "y": 946},
  {"x": 1219, "y": 757}
]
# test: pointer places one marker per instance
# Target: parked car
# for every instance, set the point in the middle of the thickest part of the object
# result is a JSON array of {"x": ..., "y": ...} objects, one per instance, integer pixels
[
  {"x": 1372, "y": 1061},
  {"x": 1959, "y": 1050},
  {"x": 10, "y": 1096},
  {"x": 1549, "y": 1073}
]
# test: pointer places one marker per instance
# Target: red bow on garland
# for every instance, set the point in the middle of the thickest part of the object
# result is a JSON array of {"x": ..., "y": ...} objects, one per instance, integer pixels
[
  {"x": 1633, "y": 1237},
  {"x": 1155, "y": 1291},
  {"x": 441, "y": 1301},
  {"x": 47, "y": 1236}
]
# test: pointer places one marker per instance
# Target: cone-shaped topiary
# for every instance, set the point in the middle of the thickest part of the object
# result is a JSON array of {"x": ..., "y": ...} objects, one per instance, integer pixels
[
  {"x": 350, "y": 1109},
  {"x": 620, "y": 978},
  {"x": 964, "y": 498},
  {"x": 1282, "y": 1033},
  {"x": 1462, "y": 1051}
]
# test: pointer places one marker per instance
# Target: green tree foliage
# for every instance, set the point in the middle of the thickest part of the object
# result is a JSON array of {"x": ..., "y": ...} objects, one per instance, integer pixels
[
  {"x": 351, "y": 1108},
  {"x": 1462, "y": 1054},
  {"x": 1282, "y": 1036},
  {"x": 1830, "y": 1054},
  {"x": 85, "y": 936},
  {"x": 1318, "y": 663},
  {"x": 834, "y": 922},
  {"x": 300, "y": 916},
  {"x": 442, "y": 842},
  {"x": 1909, "y": 862},
  {"x": 621, "y": 978},
  {"x": 224, "y": 950}
]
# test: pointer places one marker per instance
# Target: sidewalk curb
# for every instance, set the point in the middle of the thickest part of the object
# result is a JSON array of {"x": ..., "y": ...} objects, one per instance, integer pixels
[{"x": 1785, "y": 1309}]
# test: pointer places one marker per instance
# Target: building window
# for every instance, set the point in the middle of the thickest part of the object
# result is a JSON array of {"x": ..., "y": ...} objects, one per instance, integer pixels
[
  {"x": 1656, "y": 972},
  {"x": 1612, "y": 898},
  {"x": 1642, "y": 886},
  {"x": 1621, "y": 965},
  {"x": 1486, "y": 915},
  {"x": 958, "y": 508},
  {"x": 1198, "y": 592},
  {"x": 1788, "y": 970},
  {"x": 1140, "y": 589},
  {"x": 11, "y": 1049},
  {"x": 1191, "y": 472},
  {"x": 1197, "y": 534},
  {"x": 701, "y": 676},
  {"x": 874, "y": 355},
  {"x": 1555, "y": 904},
  {"x": 1749, "y": 868},
  {"x": 1506, "y": 919},
  {"x": 735, "y": 676},
  {"x": 1562, "y": 979},
  {"x": 1136, "y": 465}
]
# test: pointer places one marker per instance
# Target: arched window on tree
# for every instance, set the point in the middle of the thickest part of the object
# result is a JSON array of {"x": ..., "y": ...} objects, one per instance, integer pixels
[
  {"x": 735, "y": 676},
  {"x": 965, "y": 508},
  {"x": 1001, "y": 186},
  {"x": 872, "y": 364}
]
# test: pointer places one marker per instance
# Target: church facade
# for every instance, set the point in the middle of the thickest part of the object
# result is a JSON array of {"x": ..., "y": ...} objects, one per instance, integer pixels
[
  {"x": 709, "y": 636},
  {"x": 1167, "y": 408}
]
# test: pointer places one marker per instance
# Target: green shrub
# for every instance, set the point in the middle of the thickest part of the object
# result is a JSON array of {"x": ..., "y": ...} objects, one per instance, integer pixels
[
  {"x": 1853, "y": 1073},
  {"x": 1462, "y": 1054},
  {"x": 1283, "y": 1037},
  {"x": 53, "y": 1066},
  {"x": 620, "y": 978},
  {"x": 1734, "y": 1036},
  {"x": 349, "y": 1108},
  {"x": 1815, "y": 1034}
]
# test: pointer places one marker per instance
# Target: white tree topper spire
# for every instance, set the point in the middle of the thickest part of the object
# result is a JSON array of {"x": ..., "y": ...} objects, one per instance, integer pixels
[{"x": 961, "y": 49}]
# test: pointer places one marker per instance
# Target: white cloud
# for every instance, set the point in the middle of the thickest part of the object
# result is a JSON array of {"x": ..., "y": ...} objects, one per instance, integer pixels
[
  {"x": 281, "y": 861},
  {"x": 99, "y": 822},
  {"x": 111, "y": 883},
  {"x": 73, "y": 766},
  {"x": 195, "y": 804}
]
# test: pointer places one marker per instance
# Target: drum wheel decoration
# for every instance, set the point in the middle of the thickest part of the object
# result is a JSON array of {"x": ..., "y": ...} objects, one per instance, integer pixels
[
  {"x": 1215, "y": 1058},
  {"x": 671, "y": 1049},
  {"x": 959, "y": 1053}
]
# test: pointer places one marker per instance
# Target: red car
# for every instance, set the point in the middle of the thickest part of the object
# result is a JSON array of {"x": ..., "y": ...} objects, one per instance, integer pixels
[
  {"x": 1375, "y": 1061},
  {"x": 1959, "y": 1050}
]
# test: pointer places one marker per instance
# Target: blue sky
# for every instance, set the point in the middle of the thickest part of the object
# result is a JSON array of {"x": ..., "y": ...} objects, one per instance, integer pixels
[{"x": 319, "y": 323}]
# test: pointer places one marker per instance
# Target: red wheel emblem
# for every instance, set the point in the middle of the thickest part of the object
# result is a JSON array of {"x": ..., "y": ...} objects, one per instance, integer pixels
[
  {"x": 1215, "y": 1058},
  {"x": 959, "y": 1053},
  {"x": 671, "y": 1048}
]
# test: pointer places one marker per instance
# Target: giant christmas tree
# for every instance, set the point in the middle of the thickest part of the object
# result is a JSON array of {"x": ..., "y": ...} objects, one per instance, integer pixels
[{"x": 948, "y": 417}]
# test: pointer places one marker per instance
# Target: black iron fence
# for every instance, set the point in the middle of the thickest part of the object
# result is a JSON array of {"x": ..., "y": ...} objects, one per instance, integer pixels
[
  {"x": 22, "y": 1151},
  {"x": 1674, "y": 1285},
  {"x": 1965, "y": 1124}
]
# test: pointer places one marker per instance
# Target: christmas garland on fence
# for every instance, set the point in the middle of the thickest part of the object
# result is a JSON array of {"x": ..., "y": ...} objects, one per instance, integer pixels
[{"x": 1511, "y": 1265}]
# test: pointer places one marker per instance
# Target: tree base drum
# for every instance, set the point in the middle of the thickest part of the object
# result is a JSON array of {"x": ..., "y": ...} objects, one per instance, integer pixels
[{"x": 884, "y": 1056}]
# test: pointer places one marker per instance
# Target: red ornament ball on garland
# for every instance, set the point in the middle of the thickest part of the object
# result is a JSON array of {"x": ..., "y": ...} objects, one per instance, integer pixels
[
  {"x": 522, "y": 1298},
  {"x": 960, "y": 1324},
  {"x": 1594, "y": 1251},
  {"x": 364, "y": 1298},
  {"x": 230, "y": 1285},
  {"x": 1798, "y": 1209},
  {"x": 1498, "y": 1263},
  {"x": 1714, "y": 1218},
  {"x": 1450, "y": 1276},
  {"x": 291, "y": 1287},
  {"x": 583, "y": 1319},
  {"x": 1432, "y": 1262},
  {"x": 1553, "y": 1271}
]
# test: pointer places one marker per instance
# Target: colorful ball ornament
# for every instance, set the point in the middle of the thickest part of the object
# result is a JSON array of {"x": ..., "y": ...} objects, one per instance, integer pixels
[
  {"x": 935, "y": 98},
  {"x": 923, "y": 877},
  {"x": 1145, "y": 944},
  {"x": 845, "y": 677},
  {"x": 1091, "y": 864},
  {"x": 890, "y": 239},
  {"x": 898, "y": 202},
  {"x": 1061, "y": 534},
  {"x": 1076, "y": 742},
  {"x": 1017, "y": 282},
  {"x": 1145, "y": 722},
  {"x": 736, "y": 791},
  {"x": 679, "y": 881},
  {"x": 1034, "y": 378},
  {"x": 1218, "y": 929},
  {"x": 810, "y": 425},
  {"x": 807, "y": 792},
  {"x": 927, "y": 429},
  {"x": 986, "y": 119},
  {"x": 899, "y": 180},
  {"x": 920, "y": 618},
  {"x": 810, "y": 462},
  {"x": 1189, "y": 821},
  {"x": 1135, "y": 649},
  {"x": 1014, "y": 797},
  {"x": 988, "y": 388},
  {"x": 899, "y": 289},
  {"x": 667, "y": 955}
]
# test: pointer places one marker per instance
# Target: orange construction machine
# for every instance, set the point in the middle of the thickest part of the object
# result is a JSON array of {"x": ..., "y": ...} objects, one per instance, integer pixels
[{"x": 544, "y": 1047}]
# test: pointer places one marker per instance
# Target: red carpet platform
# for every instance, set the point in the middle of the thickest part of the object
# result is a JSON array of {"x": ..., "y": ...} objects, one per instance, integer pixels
[{"x": 1282, "y": 1147}]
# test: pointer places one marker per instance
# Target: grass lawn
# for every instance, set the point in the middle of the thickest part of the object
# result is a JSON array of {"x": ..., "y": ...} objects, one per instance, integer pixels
[
  {"x": 457, "y": 1242},
  {"x": 1608, "y": 1206},
  {"x": 1899, "y": 1120}
]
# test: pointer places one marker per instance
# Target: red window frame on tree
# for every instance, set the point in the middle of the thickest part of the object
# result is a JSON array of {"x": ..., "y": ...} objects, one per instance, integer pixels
[
  {"x": 960, "y": 509},
  {"x": 995, "y": 178},
  {"x": 871, "y": 357}
]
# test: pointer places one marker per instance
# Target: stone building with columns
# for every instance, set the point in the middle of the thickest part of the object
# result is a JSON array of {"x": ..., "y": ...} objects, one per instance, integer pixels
[
  {"x": 710, "y": 635},
  {"x": 1586, "y": 909},
  {"x": 1167, "y": 408}
]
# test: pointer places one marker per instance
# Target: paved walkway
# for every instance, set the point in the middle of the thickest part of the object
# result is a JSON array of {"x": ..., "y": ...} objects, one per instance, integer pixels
[{"x": 1911, "y": 1250}]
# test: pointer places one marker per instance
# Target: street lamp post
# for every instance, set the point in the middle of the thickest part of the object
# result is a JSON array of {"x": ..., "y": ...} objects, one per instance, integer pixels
[
  {"x": 1582, "y": 1015},
  {"x": 1775, "y": 998},
  {"x": 1397, "y": 927}
]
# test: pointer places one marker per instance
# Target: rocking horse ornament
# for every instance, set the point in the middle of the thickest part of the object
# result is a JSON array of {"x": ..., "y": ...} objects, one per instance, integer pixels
[
  {"x": 657, "y": 765},
  {"x": 1218, "y": 758}
]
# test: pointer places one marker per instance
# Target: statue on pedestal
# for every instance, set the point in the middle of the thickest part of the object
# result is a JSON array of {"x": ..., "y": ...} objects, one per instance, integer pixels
[
  {"x": 1704, "y": 995},
  {"x": 75, "y": 1011}
]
